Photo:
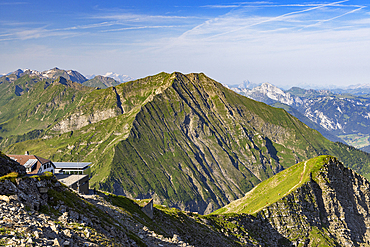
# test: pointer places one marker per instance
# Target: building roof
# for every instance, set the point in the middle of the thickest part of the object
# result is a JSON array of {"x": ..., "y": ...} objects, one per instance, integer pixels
[
  {"x": 29, "y": 163},
  {"x": 29, "y": 160},
  {"x": 22, "y": 159},
  {"x": 71, "y": 165},
  {"x": 69, "y": 179}
]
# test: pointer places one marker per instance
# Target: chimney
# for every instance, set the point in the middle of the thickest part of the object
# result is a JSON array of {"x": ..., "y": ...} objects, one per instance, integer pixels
[{"x": 27, "y": 153}]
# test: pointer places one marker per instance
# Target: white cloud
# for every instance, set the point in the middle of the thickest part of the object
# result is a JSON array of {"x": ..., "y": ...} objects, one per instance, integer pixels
[{"x": 233, "y": 22}]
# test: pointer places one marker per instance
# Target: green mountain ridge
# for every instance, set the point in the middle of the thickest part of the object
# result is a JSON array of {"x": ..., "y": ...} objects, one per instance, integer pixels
[
  {"x": 275, "y": 188},
  {"x": 318, "y": 202},
  {"x": 31, "y": 113},
  {"x": 184, "y": 140}
]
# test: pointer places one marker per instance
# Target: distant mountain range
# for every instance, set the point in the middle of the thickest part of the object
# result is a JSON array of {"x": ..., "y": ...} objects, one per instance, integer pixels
[
  {"x": 336, "y": 116},
  {"x": 108, "y": 80},
  {"x": 48, "y": 74},
  {"x": 118, "y": 77},
  {"x": 357, "y": 89}
]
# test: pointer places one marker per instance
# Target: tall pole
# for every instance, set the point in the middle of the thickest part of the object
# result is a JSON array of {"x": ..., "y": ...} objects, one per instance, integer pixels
[{"x": 78, "y": 177}]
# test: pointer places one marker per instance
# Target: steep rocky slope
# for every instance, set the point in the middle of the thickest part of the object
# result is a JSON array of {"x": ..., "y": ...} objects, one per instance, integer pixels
[
  {"x": 234, "y": 143},
  {"x": 313, "y": 201},
  {"x": 184, "y": 140}
]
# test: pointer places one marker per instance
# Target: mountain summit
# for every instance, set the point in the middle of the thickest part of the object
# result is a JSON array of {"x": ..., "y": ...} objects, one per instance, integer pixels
[{"x": 54, "y": 73}]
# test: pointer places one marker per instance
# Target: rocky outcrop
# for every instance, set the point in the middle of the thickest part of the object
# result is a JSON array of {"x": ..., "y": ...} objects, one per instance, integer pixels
[
  {"x": 59, "y": 217},
  {"x": 8, "y": 165},
  {"x": 30, "y": 214},
  {"x": 81, "y": 119}
]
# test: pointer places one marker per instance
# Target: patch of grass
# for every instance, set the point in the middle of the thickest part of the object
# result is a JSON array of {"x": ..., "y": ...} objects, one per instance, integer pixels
[
  {"x": 128, "y": 205},
  {"x": 10, "y": 176},
  {"x": 321, "y": 238},
  {"x": 45, "y": 175}
]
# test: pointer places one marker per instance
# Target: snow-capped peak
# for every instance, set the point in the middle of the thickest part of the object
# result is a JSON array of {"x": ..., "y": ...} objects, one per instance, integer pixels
[
  {"x": 118, "y": 77},
  {"x": 274, "y": 93}
]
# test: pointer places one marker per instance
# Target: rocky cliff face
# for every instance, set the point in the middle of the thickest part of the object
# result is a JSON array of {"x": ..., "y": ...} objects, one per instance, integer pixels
[{"x": 80, "y": 119}]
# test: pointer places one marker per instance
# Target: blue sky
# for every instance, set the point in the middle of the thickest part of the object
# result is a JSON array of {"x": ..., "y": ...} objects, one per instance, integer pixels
[{"x": 286, "y": 43}]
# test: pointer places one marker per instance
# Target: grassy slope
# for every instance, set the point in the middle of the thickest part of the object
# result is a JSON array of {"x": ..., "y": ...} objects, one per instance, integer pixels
[
  {"x": 187, "y": 139},
  {"x": 276, "y": 187},
  {"x": 95, "y": 142},
  {"x": 7, "y": 88},
  {"x": 33, "y": 112},
  {"x": 182, "y": 153}
]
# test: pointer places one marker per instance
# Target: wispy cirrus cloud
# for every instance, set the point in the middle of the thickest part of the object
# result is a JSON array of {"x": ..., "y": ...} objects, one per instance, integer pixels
[
  {"x": 137, "y": 28},
  {"x": 13, "y": 3},
  {"x": 236, "y": 21},
  {"x": 235, "y": 5},
  {"x": 35, "y": 33},
  {"x": 140, "y": 18},
  {"x": 263, "y": 4}
]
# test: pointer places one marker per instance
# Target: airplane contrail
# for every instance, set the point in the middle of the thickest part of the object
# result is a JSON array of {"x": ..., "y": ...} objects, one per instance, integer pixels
[{"x": 336, "y": 17}]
